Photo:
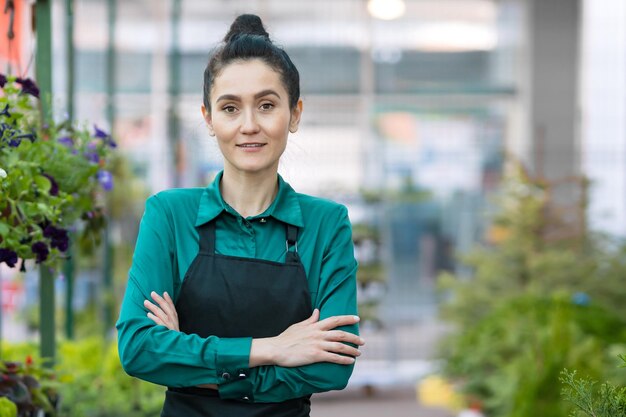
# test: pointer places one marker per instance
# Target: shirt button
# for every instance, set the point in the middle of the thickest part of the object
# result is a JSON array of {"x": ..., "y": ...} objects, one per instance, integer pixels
[
  {"x": 263, "y": 220},
  {"x": 226, "y": 375},
  {"x": 246, "y": 399}
]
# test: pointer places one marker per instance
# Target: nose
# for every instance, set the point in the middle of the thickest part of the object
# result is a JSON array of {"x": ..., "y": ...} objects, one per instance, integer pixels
[{"x": 249, "y": 123}]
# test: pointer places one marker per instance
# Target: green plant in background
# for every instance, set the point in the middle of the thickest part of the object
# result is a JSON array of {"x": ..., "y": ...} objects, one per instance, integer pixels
[
  {"x": 96, "y": 385},
  {"x": 607, "y": 401},
  {"x": 7, "y": 408},
  {"x": 29, "y": 388},
  {"x": 50, "y": 175},
  {"x": 532, "y": 308},
  {"x": 91, "y": 382},
  {"x": 370, "y": 276}
]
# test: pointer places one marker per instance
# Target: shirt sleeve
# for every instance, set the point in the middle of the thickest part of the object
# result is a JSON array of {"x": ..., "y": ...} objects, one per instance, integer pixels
[
  {"x": 336, "y": 296},
  {"x": 152, "y": 352}
]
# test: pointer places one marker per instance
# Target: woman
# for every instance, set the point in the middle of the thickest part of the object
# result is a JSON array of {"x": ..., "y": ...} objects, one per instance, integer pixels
[{"x": 263, "y": 278}]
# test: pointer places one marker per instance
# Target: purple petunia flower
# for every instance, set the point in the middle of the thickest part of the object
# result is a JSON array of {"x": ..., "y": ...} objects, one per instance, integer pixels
[
  {"x": 6, "y": 130},
  {"x": 58, "y": 237},
  {"x": 54, "y": 187},
  {"x": 8, "y": 134},
  {"x": 50, "y": 231},
  {"x": 8, "y": 256},
  {"x": 40, "y": 249},
  {"x": 92, "y": 153},
  {"x": 92, "y": 157},
  {"x": 3, "y": 80},
  {"x": 28, "y": 86},
  {"x": 66, "y": 140},
  {"x": 106, "y": 180},
  {"x": 106, "y": 137},
  {"x": 62, "y": 245},
  {"x": 99, "y": 133}
]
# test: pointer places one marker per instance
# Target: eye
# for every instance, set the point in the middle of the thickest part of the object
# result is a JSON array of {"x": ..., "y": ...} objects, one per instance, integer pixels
[
  {"x": 229, "y": 109},
  {"x": 267, "y": 106}
]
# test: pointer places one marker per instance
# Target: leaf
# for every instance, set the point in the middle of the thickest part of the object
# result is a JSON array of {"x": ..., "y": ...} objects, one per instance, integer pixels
[
  {"x": 43, "y": 183},
  {"x": 7, "y": 408},
  {"x": 4, "y": 229}
]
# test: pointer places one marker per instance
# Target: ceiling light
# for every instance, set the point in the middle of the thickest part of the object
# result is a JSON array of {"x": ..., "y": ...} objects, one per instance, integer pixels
[{"x": 386, "y": 9}]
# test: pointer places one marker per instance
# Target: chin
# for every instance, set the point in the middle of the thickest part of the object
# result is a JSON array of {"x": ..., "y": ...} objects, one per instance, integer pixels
[{"x": 256, "y": 168}]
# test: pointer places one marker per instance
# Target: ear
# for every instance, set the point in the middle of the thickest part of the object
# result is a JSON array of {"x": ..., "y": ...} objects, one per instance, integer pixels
[
  {"x": 206, "y": 115},
  {"x": 296, "y": 114}
]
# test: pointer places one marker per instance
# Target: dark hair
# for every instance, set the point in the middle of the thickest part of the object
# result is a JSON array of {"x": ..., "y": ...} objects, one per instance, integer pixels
[{"x": 247, "y": 39}]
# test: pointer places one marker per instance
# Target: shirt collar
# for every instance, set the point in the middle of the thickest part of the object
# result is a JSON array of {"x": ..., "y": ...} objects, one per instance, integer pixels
[{"x": 285, "y": 207}]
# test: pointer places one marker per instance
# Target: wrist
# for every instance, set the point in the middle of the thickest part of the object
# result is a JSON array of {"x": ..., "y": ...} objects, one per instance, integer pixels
[{"x": 262, "y": 352}]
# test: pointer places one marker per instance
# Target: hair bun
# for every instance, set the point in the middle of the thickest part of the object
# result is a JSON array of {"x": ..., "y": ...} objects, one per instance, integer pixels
[{"x": 249, "y": 24}]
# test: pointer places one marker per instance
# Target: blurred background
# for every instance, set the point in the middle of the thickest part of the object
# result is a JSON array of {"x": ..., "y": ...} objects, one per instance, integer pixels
[{"x": 421, "y": 116}]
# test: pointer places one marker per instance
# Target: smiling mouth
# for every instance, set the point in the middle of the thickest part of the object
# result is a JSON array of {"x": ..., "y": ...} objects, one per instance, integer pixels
[{"x": 251, "y": 145}]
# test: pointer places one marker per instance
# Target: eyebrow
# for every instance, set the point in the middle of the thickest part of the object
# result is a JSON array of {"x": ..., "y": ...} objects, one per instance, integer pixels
[{"x": 256, "y": 96}]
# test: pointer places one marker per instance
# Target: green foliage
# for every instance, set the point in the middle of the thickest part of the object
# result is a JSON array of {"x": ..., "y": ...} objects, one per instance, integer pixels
[
  {"x": 28, "y": 387},
  {"x": 371, "y": 275},
  {"x": 532, "y": 307},
  {"x": 512, "y": 358},
  {"x": 7, "y": 408},
  {"x": 607, "y": 401},
  {"x": 50, "y": 175},
  {"x": 92, "y": 383}
]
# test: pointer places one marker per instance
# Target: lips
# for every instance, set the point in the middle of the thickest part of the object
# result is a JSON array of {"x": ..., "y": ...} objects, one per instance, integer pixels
[{"x": 251, "y": 145}]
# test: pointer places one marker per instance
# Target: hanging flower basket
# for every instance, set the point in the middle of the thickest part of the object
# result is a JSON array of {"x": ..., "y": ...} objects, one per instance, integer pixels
[{"x": 51, "y": 177}]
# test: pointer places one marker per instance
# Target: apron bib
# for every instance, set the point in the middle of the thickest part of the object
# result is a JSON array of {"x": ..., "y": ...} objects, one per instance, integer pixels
[{"x": 228, "y": 296}]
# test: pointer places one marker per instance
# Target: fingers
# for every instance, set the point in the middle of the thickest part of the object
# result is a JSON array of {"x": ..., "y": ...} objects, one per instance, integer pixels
[
  {"x": 155, "y": 318},
  {"x": 336, "y": 358},
  {"x": 155, "y": 310},
  {"x": 166, "y": 304},
  {"x": 345, "y": 337},
  {"x": 315, "y": 316},
  {"x": 338, "y": 347},
  {"x": 157, "y": 315},
  {"x": 163, "y": 314},
  {"x": 337, "y": 321}
]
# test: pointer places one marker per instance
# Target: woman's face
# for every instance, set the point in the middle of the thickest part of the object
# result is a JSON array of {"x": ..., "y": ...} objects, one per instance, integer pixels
[{"x": 250, "y": 116}]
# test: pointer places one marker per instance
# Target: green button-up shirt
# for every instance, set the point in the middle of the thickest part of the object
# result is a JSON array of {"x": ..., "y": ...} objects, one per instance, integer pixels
[{"x": 167, "y": 244}]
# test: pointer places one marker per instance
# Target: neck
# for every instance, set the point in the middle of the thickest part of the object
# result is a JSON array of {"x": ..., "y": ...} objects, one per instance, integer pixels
[{"x": 248, "y": 194}]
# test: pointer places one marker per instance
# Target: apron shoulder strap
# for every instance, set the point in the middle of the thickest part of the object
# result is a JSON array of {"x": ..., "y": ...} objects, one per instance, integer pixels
[
  {"x": 206, "y": 233},
  {"x": 292, "y": 242}
]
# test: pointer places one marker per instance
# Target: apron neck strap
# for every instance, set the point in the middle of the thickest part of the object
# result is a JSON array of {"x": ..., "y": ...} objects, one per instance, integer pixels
[
  {"x": 292, "y": 235},
  {"x": 292, "y": 242},
  {"x": 207, "y": 237}
]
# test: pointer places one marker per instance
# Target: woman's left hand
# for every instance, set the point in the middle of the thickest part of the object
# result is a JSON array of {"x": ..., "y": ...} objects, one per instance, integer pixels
[{"x": 164, "y": 313}]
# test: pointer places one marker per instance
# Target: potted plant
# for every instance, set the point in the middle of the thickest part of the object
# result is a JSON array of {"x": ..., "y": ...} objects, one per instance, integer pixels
[{"x": 51, "y": 176}]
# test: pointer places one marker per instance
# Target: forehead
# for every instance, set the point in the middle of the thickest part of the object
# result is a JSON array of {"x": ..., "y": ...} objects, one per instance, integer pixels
[{"x": 243, "y": 78}]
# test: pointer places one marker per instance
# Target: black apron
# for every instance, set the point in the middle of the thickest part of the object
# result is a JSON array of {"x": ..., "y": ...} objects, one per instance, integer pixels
[{"x": 230, "y": 296}]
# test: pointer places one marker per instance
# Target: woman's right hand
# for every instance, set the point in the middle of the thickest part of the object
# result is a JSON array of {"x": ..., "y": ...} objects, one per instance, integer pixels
[{"x": 309, "y": 341}]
